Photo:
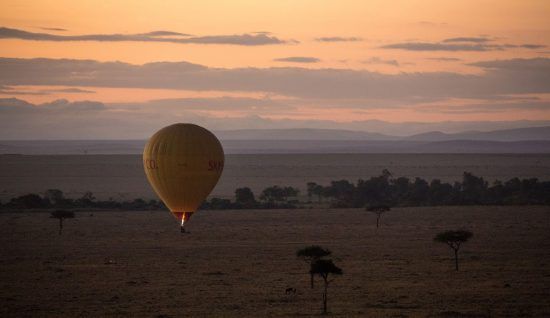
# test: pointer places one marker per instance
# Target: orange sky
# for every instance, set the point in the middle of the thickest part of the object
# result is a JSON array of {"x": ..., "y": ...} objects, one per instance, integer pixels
[
  {"x": 377, "y": 22},
  {"x": 300, "y": 23}
]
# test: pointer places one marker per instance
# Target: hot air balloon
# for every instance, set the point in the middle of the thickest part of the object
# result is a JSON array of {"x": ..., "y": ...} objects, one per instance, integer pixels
[{"x": 183, "y": 163}]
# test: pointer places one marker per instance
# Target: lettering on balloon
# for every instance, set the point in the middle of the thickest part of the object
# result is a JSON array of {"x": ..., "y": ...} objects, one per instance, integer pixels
[
  {"x": 151, "y": 164},
  {"x": 215, "y": 165}
]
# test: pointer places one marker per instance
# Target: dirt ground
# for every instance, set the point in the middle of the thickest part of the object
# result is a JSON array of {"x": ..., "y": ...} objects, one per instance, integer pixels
[{"x": 239, "y": 263}]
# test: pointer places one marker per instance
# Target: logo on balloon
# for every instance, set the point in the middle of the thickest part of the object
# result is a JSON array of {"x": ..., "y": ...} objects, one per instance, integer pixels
[
  {"x": 151, "y": 164},
  {"x": 215, "y": 165}
]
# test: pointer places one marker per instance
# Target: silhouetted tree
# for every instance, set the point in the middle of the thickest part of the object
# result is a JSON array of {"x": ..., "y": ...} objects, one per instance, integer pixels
[
  {"x": 61, "y": 215},
  {"x": 419, "y": 193},
  {"x": 278, "y": 194},
  {"x": 473, "y": 189},
  {"x": 454, "y": 239},
  {"x": 315, "y": 189},
  {"x": 310, "y": 189},
  {"x": 29, "y": 201},
  {"x": 289, "y": 192},
  {"x": 244, "y": 197},
  {"x": 378, "y": 210},
  {"x": 87, "y": 200},
  {"x": 55, "y": 196},
  {"x": 323, "y": 268},
  {"x": 343, "y": 191},
  {"x": 312, "y": 254},
  {"x": 441, "y": 193},
  {"x": 274, "y": 193},
  {"x": 400, "y": 188}
]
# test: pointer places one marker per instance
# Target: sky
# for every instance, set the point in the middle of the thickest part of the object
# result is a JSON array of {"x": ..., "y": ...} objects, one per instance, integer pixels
[{"x": 123, "y": 69}]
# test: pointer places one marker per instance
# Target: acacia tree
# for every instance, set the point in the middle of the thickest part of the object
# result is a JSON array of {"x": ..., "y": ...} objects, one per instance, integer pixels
[
  {"x": 315, "y": 189},
  {"x": 454, "y": 239},
  {"x": 61, "y": 215},
  {"x": 245, "y": 197},
  {"x": 312, "y": 254},
  {"x": 323, "y": 268},
  {"x": 378, "y": 210},
  {"x": 310, "y": 189}
]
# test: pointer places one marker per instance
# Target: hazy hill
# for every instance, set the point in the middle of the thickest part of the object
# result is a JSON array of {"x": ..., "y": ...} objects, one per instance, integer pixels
[
  {"x": 300, "y": 134},
  {"x": 518, "y": 134},
  {"x": 284, "y": 146},
  {"x": 524, "y": 140}
]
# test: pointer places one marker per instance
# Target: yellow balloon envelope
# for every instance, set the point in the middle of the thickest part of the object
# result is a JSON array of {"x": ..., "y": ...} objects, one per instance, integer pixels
[{"x": 183, "y": 163}]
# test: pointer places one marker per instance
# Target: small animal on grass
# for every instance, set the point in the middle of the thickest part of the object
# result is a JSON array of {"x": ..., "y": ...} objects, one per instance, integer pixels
[{"x": 290, "y": 290}]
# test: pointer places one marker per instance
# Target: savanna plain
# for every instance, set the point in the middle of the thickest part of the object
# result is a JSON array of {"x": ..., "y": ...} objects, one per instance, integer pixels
[{"x": 240, "y": 263}]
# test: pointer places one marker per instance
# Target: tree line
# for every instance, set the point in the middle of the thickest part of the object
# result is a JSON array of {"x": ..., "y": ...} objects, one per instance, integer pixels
[
  {"x": 274, "y": 197},
  {"x": 55, "y": 199},
  {"x": 402, "y": 191},
  {"x": 382, "y": 190}
]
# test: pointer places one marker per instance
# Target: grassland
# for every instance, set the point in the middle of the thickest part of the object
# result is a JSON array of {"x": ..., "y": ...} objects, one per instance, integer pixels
[{"x": 239, "y": 263}]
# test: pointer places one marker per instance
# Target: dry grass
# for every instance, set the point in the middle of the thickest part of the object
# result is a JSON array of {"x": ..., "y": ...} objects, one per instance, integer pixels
[{"x": 239, "y": 263}]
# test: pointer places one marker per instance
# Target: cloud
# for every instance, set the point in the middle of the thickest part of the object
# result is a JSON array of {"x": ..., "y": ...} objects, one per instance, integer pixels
[
  {"x": 154, "y": 36},
  {"x": 68, "y": 90},
  {"x": 65, "y": 105},
  {"x": 15, "y": 105},
  {"x": 425, "y": 46},
  {"x": 482, "y": 108},
  {"x": 501, "y": 77},
  {"x": 338, "y": 39},
  {"x": 53, "y": 29},
  {"x": 377, "y": 60},
  {"x": 7, "y": 90},
  {"x": 165, "y": 33},
  {"x": 62, "y": 119},
  {"x": 94, "y": 120},
  {"x": 298, "y": 59},
  {"x": 214, "y": 103},
  {"x": 455, "y": 46},
  {"x": 157, "y": 105},
  {"x": 468, "y": 39},
  {"x": 242, "y": 39},
  {"x": 432, "y": 24},
  {"x": 531, "y": 46},
  {"x": 541, "y": 64},
  {"x": 444, "y": 59},
  {"x": 7, "y": 104}
]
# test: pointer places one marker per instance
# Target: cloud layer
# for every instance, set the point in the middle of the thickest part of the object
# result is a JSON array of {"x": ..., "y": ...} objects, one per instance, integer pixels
[
  {"x": 503, "y": 86},
  {"x": 298, "y": 59},
  {"x": 62, "y": 119},
  {"x": 457, "y": 44},
  {"x": 338, "y": 39},
  {"x": 378, "y": 60},
  {"x": 253, "y": 39},
  {"x": 501, "y": 77}
]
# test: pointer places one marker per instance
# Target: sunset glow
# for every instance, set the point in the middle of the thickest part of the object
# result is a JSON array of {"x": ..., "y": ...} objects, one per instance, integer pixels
[{"x": 336, "y": 61}]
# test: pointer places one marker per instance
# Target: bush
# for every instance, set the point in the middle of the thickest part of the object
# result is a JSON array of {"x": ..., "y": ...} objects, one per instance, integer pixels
[{"x": 29, "y": 201}]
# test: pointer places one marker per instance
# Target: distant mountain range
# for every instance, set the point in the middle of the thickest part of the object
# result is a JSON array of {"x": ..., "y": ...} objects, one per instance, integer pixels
[
  {"x": 249, "y": 141},
  {"x": 518, "y": 134},
  {"x": 300, "y": 134}
]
